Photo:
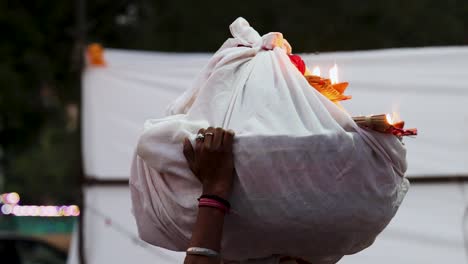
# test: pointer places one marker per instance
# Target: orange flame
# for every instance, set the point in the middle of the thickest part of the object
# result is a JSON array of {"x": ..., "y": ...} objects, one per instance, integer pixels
[
  {"x": 333, "y": 73},
  {"x": 389, "y": 118},
  {"x": 316, "y": 71},
  {"x": 393, "y": 118}
]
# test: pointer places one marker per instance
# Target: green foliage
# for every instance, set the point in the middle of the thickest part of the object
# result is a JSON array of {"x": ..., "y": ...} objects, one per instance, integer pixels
[{"x": 39, "y": 58}]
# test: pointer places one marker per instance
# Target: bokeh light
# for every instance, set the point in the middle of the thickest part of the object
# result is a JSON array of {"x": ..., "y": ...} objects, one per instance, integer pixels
[
  {"x": 75, "y": 210},
  {"x": 11, "y": 207},
  {"x": 12, "y": 198},
  {"x": 43, "y": 210},
  {"x": 7, "y": 209}
]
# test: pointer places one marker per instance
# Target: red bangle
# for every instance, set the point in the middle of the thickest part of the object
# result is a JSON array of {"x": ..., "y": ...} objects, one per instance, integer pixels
[
  {"x": 207, "y": 202},
  {"x": 217, "y": 198}
]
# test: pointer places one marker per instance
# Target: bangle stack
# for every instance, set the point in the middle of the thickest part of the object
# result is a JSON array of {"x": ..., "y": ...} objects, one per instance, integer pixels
[{"x": 214, "y": 201}]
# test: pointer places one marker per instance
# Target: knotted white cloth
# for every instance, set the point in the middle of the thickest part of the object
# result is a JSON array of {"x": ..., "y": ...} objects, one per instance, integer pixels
[{"x": 309, "y": 182}]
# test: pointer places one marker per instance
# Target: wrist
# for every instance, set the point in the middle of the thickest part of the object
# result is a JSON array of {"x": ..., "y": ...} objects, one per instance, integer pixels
[{"x": 220, "y": 190}]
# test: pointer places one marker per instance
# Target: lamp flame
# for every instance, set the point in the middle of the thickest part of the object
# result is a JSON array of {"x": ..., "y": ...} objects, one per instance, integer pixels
[
  {"x": 389, "y": 118},
  {"x": 393, "y": 118},
  {"x": 333, "y": 74},
  {"x": 316, "y": 71}
]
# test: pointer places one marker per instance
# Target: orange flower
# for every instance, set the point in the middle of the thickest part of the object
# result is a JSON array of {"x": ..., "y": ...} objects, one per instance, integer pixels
[{"x": 95, "y": 54}]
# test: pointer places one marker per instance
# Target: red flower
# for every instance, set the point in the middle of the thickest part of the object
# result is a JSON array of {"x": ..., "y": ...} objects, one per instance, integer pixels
[{"x": 298, "y": 62}]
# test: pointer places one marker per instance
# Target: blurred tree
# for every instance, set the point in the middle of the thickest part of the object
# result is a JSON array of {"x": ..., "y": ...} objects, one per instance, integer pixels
[
  {"x": 39, "y": 72},
  {"x": 36, "y": 85}
]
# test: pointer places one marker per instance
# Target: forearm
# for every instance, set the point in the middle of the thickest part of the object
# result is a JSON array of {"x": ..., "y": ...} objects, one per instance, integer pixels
[
  {"x": 212, "y": 163},
  {"x": 207, "y": 233}
]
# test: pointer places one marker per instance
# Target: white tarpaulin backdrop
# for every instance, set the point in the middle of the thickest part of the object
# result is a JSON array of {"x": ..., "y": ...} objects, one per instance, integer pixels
[{"x": 428, "y": 86}]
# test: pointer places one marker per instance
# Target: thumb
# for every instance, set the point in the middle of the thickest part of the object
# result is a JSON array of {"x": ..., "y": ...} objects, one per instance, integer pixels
[{"x": 189, "y": 154}]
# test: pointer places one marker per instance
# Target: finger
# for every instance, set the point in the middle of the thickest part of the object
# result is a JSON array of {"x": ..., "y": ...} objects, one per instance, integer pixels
[
  {"x": 199, "y": 143},
  {"x": 228, "y": 140},
  {"x": 208, "y": 142},
  {"x": 201, "y": 131},
  {"x": 218, "y": 138}
]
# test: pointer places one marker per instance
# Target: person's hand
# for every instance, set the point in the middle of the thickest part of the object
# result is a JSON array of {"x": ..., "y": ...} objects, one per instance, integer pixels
[{"x": 212, "y": 160}]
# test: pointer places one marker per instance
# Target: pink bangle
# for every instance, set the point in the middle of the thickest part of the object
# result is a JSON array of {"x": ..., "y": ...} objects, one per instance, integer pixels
[{"x": 207, "y": 202}]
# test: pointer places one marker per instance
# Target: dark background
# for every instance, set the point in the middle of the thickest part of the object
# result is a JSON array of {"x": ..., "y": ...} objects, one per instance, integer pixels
[{"x": 41, "y": 56}]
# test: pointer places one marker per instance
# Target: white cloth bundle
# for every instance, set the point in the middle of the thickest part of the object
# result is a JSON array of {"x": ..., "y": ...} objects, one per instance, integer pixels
[{"x": 310, "y": 183}]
